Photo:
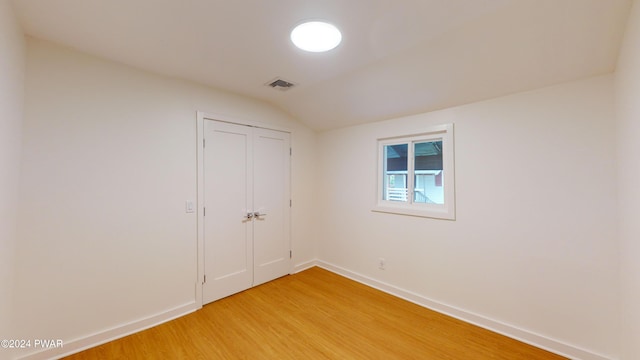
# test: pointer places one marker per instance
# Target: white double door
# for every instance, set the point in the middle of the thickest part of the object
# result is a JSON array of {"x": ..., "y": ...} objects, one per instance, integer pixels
[{"x": 247, "y": 207}]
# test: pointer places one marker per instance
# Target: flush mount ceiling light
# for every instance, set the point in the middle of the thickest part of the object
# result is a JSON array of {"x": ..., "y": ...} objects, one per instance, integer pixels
[{"x": 316, "y": 36}]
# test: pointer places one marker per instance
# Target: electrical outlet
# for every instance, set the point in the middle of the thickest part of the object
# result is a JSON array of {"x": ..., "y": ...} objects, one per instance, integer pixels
[{"x": 381, "y": 263}]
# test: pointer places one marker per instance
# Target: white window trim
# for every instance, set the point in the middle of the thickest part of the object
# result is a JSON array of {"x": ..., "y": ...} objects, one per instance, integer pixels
[{"x": 438, "y": 211}]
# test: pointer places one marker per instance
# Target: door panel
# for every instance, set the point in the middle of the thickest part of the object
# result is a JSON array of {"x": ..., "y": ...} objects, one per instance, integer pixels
[
  {"x": 228, "y": 176},
  {"x": 271, "y": 197}
]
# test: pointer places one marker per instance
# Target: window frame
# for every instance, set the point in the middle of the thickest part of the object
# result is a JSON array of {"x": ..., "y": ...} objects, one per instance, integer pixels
[{"x": 444, "y": 211}]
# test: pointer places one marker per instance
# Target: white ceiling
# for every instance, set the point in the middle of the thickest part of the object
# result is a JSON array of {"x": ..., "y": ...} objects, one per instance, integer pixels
[{"x": 398, "y": 57}]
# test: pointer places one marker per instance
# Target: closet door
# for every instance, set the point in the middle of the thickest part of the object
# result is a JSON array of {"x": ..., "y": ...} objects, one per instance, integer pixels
[
  {"x": 271, "y": 199},
  {"x": 247, "y": 207},
  {"x": 228, "y": 195}
]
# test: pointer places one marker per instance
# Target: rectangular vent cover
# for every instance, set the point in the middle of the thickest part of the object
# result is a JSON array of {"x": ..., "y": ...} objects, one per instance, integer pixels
[{"x": 280, "y": 84}]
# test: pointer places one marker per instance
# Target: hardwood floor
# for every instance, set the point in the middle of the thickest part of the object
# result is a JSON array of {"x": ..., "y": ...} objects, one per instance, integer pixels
[{"x": 314, "y": 314}]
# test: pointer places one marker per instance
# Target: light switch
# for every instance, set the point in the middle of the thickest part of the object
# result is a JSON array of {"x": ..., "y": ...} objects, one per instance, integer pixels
[{"x": 189, "y": 207}]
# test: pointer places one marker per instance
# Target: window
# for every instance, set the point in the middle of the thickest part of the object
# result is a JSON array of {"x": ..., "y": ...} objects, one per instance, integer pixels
[{"x": 416, "y": 174}]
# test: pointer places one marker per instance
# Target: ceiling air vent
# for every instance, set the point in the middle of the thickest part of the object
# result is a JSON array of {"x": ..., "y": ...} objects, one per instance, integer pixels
[{"x": 280, "y": 84}]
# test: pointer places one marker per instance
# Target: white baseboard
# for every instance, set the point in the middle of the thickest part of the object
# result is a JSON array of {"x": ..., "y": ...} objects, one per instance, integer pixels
[
  {"x": 114, "y": 333},
  {"x": 511, "y": 331},
  {"x": 304, "y": 266}
]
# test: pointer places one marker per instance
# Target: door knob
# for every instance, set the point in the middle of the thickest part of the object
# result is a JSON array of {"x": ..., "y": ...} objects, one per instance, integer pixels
[
  {"x": 249, "y": 215},
  {"x": 258, "y": 214}
]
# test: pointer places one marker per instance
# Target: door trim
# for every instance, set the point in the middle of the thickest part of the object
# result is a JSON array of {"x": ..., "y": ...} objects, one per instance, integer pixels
[{"x": 200, "y": 119}]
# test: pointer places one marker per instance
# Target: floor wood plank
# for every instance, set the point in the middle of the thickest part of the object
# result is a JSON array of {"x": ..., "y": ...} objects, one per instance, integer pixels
[{"x": 315, "y": 314}]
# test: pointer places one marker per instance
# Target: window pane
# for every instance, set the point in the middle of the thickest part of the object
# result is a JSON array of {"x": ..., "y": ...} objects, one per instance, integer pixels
[
  {"x": 429, "y": 173},
  {"x": 395, "y": 172}
]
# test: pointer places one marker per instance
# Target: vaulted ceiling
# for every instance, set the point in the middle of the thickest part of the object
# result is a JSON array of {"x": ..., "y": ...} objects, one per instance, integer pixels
[{"x": 398, "y": 57}]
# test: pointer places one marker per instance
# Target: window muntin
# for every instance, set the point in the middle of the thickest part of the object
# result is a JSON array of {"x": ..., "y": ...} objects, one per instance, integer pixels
[{"x": 416, "y": 174}]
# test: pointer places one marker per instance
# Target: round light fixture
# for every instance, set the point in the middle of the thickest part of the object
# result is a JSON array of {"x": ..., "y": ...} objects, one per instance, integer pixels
[{"x": 316, "y": 36}]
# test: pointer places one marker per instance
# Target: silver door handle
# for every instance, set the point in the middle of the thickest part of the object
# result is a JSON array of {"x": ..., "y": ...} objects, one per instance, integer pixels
[
  {"x": 258, "y": 214},
  {"x": 249, "y": 215}
]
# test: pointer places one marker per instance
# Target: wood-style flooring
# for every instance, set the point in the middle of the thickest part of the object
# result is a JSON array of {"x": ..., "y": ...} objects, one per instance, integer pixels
[{"x": 315, "y": 314}]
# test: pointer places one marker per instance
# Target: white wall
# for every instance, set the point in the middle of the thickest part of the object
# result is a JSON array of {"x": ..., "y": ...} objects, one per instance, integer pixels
[
  {"x": 109, "y": 160},
  {"x": 534, "y": 244},
  {"x": 628, "y": 135},
  {"x": 12, "y": 58}
]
